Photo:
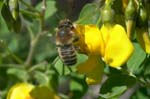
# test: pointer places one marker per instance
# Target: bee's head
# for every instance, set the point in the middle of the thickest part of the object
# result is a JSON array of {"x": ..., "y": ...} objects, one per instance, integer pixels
[{"x": 66, "y": 23}]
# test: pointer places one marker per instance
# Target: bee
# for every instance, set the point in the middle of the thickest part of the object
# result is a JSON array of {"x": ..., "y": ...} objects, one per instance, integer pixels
[{"x": 65, "y": 37}]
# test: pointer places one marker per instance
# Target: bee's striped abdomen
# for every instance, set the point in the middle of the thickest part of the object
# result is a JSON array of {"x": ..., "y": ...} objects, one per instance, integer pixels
[{"x": 68, "y": 55}]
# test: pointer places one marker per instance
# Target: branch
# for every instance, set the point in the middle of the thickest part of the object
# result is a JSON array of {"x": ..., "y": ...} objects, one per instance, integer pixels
[
  {"x": 32, "y": 48},
  {"x": 14, "y": 56},
  {"x": 130, "y": 92},
  {"x": 36, "y": 39},
  {"x": 11, "y": 65}
]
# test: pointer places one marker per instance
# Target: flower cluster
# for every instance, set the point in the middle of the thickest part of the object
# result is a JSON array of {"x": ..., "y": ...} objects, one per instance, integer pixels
[{"x": 110, "y": 43}]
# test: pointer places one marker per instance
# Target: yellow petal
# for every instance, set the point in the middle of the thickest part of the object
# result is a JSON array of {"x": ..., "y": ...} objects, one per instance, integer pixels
[
  {"x": 20, "y": 91},
  {"x": 143, "y": 39},
  {"x": 91, "y": 41},
  {"x": 92, "y": 68},
  {"x": 88, "y": 66},
  {"x": 118, "y": 47},
  {"x": 95, "y": 76}
]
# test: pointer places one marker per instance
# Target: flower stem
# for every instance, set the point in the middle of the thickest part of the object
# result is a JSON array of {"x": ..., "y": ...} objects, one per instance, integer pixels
[{"x": 35, "y": 40}]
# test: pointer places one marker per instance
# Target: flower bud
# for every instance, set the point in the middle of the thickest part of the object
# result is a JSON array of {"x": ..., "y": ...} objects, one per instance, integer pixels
[
  {"x": 142, "y": 17},
  {"x": 130, "y": 16},
  {"x": 130, "y": 11},
  {"x": 14, "y": 8},
  {"x": 130, "y": 26},
  {"x": 143, "y": 39},
  {"x": 107, "y": 14}
]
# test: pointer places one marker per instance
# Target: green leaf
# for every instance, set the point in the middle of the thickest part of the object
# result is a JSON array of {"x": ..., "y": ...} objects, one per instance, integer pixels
[
  {"x": 61, "y": 68},
  {"x": 142, "y": 93},
  {"x": 147, "y": 68},
  {"x": 116, "y": 91},
  {"x": 41, "y": 78},
  {"x": 7, "y": 16},
  {"x": 134, "y": 63},
  {"x": 115, "y": 85},
  {"x": 1, "y": 3},
  {"x": 12, "y": 24},
  {"x": 90, "y": 14},
  {"x": 21, "y": 74},
  {"x": 78, "y": 86},
  {"x": 50, "y": 9}
]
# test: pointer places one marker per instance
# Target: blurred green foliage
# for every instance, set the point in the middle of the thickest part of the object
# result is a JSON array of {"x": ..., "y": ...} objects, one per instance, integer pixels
[{"x": 28, "y": 54}]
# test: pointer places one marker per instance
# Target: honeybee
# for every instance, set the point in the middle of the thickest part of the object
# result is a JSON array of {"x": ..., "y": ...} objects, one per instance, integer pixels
[{"x": 65, "y": 36}]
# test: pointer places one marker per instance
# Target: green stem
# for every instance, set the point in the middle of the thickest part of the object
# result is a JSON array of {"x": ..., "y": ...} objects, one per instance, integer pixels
[
  {"x": 15, "y": 57},
  {"x": 35, "y": 67},
  {"x": 11, "y": 65},
  {"x": 31, "y": 34},
  {"x": 98, "y": 21},
  {"x": 34, "y": 14},
  {"x": 35, "y": 40}
]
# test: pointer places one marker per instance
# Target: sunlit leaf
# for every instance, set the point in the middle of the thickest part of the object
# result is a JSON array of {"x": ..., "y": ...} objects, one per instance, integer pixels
[
  {"x": 89, "y": 15},
  {"x": 21, "y": 74},
  {"x": 41, "y": 78},
  {"x": 134, "y": 63}
]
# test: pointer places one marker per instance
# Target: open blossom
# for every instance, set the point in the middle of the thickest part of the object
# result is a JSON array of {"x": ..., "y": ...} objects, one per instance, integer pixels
[
  {"x": 20, "y": 91},
  {"x": 29, "y": 91},
  {"x": 110, "y": 44}
]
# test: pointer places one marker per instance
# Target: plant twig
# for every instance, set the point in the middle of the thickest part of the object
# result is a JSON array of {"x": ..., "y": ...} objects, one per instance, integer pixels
[
  {"x": 37, "y": 66},
  {"x": 11, "y": 65},
  {"x": 35, "y": 40},
  {"x": 33, "y": 14},
  {"x": 15, "y": 57},
  {"x": 130, "y": 92},
  {"x": 32, "y": 48}
]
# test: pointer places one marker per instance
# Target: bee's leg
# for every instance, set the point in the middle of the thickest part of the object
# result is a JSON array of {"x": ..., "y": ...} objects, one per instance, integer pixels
[
  {"x": 76, "y": 38},
  {"x": 77, "y": 48}
]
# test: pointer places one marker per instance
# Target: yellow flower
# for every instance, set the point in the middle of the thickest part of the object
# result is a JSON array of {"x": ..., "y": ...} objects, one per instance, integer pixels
[
  {"x": 28, "y": 91},
  {"x": 91, "y": 41},
  {"x": 118, "y": 47},
  {"x": 20, "y": 91},
  {"x": 110, "y": 44}
]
